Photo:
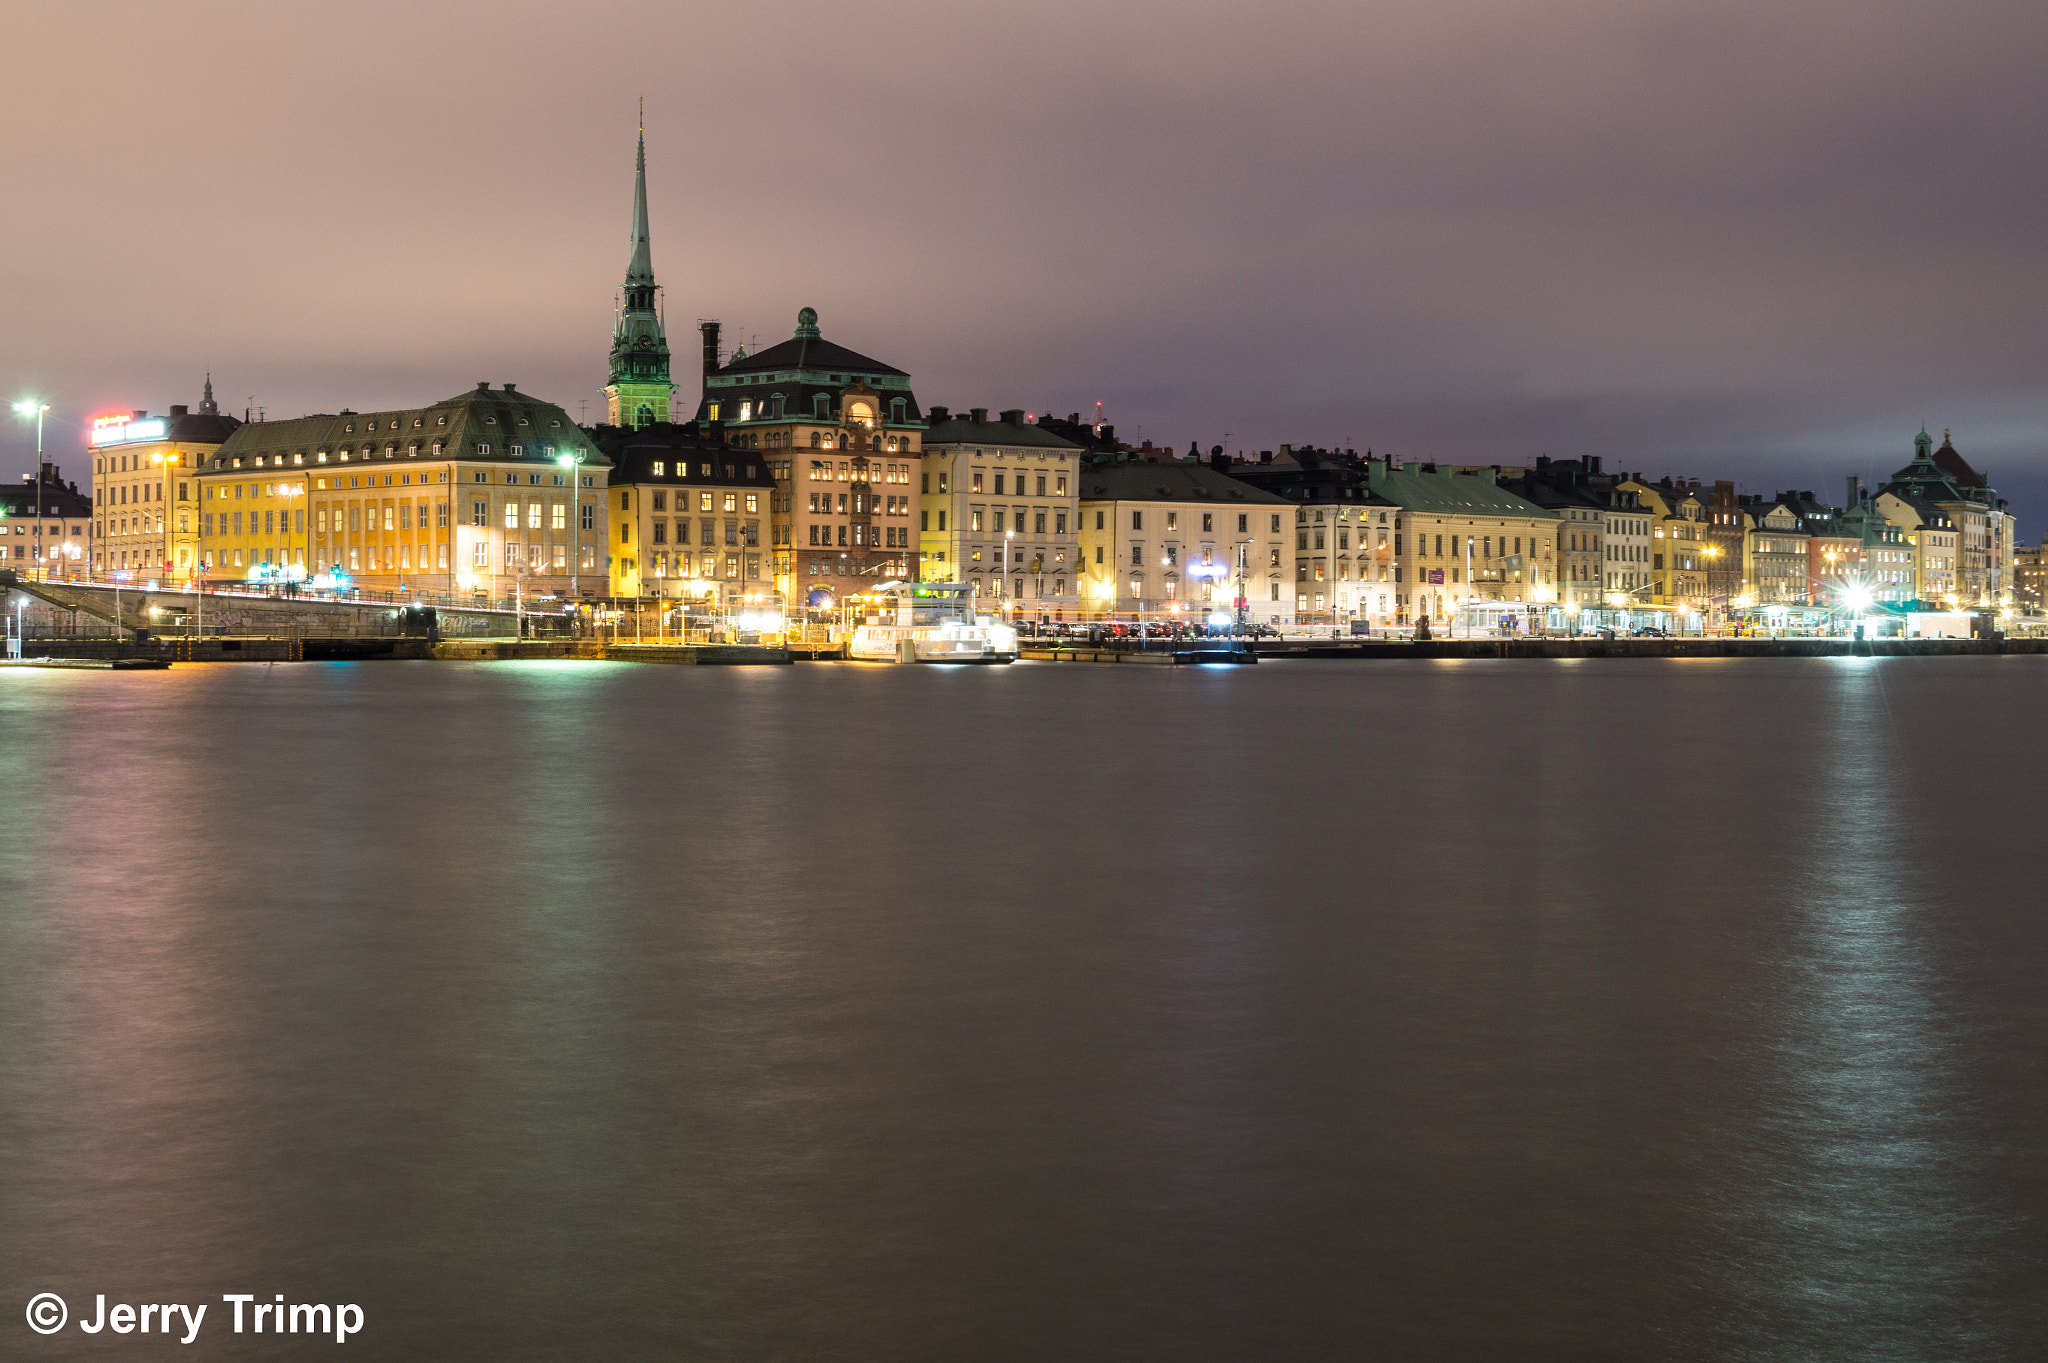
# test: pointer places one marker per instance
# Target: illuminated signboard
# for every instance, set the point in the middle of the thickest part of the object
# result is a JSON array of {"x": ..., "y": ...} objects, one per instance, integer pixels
[{"x": 123, "y": 430}]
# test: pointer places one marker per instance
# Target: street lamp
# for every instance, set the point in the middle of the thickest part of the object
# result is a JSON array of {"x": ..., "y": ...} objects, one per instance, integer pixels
[
  {"x": 35, "y": 407},
  {"x": 570, "y": 462}
]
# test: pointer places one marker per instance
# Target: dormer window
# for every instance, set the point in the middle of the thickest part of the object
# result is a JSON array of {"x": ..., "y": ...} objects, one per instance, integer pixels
[
  {"x": 490, "y": 421},
  {"x": 660, "y": 468},
  {"x": 440, "y": 421},
  {"x": 418, "y": 421},
  {"x": 522, "y": 421},
  {"x": 349, "y": 427},
  {"x": 554, "y": 423}
]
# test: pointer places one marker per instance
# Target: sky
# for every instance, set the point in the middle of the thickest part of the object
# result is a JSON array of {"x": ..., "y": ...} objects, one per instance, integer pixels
[{"x": 1739, "y": 240}]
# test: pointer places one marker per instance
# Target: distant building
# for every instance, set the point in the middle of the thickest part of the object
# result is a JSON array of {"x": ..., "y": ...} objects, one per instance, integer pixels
[
  {"x": 999, "y": 507},
  {"x": 46, "y": 525},
  {"x": 2030, "y": 580},
  {"x": 1340, "y": 571},
  {"x": 1775, "y": 553},
  {"x": 690, "y": 515},
  {"x": 1681, "y": 545},
  {"x": 1602, "y": 529},
  {"x": 143, "y": 484},
  {"x": 1887, "y": 558},
  {"x": 471, "y": 493},
  {"x": 842, "y": 433},
  {"x": 1459, "y": 537},
  {"x": 1162, "y": 538},
  {"x": 1942, "y": 480},
  {"x": 1834, "y": 549}
]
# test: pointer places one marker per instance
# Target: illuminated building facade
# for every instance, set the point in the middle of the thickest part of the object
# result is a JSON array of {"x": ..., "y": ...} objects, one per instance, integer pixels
[
  {"x": 1980, "y": 523},
  {"x": 1681, "y": 526},
  {"x": 690, "y": 515},
  {"x": 469, "y": 494},
  {"x": 144, "y": 472},
  {"x": 843, "y": 435},
  {"x": 1342, "y": 570},
  {"x": 1169, "y": 539},
  {"x": 45, "y": 525},
  {"x": 999, "y": 507},
  {"x": 1460, "y": 537}
]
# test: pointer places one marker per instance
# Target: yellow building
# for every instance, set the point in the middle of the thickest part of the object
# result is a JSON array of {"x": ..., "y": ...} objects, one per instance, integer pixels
[
  {"x": 1168, "y": 539},
  {"x": 144, "y": 483},
  {"x": 493, "y": 492},
  {"x": 1455, "y": 538},
  {"x": 999, "y": 508},
  {"x": 1682, "y": 543},
  {"x": 690, "y": 515}
]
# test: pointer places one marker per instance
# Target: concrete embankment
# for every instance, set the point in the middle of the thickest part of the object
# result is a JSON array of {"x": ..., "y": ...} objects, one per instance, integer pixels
[{"x": 1644, "y": 648}]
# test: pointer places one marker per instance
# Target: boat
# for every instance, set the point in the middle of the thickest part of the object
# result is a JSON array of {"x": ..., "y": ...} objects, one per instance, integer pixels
[{"x": 925, "y": 622}]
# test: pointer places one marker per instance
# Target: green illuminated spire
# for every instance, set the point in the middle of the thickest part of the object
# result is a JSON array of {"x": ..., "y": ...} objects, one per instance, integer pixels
[{"x": 639, "y": 390}]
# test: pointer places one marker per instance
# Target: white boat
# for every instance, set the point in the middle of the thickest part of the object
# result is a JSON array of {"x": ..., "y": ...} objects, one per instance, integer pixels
[{"x": 926, "y": 622}]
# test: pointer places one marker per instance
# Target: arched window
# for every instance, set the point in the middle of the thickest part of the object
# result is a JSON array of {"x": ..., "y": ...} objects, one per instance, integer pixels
[
  {"x": 896, "y": 410},
  {"x": 815, "y": 440},
  {"x": 842, "y": 441}
]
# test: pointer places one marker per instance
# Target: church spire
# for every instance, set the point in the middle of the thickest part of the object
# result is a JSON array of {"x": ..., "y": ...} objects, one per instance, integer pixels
[
  {"x": 640, "y": 272},
  {"x": 639, "y": 391},
  {"x": 206, "y": 404}
]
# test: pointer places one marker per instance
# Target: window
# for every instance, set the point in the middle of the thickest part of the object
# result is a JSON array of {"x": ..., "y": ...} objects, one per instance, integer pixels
[
  {"x": 511, "y": 515},
  {"x": 480, "y": 554},
  {"x": 479, "y": 513},
  {"x": 589, "y": 518},
  {"x": 1173, "y": 520},
  {"x": 560, "y": 517},
  {"x": 1059, "y": 523},
  {"x": 1137, "y": 556}
]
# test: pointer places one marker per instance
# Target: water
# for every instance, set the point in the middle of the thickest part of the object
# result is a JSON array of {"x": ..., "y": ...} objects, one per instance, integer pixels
[{"x": 1615, "y": 1009}]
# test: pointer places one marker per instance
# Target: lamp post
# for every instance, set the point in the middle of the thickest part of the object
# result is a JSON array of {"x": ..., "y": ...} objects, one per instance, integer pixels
[
  {"x": 36, "y": 408},
  {"x": 1008, "y": 535},
  {"x": 571, "y": 462}
]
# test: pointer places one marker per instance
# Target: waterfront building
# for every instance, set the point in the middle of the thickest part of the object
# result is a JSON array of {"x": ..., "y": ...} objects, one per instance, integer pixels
[
  {"x": 842, "y": 433},
  {"x": 1887, "y": 559},
  {"x": 2030, "y": 580},
  {"x": 999, "y": 508},
  {"x": 1981, "y": 525},
  {"x": 1726, "y": 528},
  {"x": 689, "y": 516},
  {"x": 1459, "y": 537},
  {"x": 1774, "y": 553},
  {"x": 472, "y": 493},
  {"x": 1342, "y": 570},
  {"x": 1679, "y": 512},
  {"x": 1933, "y": 538},
  {"x": 143, "y": 481},
  {"x": 1600, "y": 527},
  {"x": 1182, "y": 539},
  {"x": 1834, "y": 549},
  {"x": 46, "y": 525},
  {"x": 638, "y": 391}
]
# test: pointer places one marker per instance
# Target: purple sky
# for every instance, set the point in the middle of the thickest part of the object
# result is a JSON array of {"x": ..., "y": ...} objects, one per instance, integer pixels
[{"x": 1750, "y": 240}]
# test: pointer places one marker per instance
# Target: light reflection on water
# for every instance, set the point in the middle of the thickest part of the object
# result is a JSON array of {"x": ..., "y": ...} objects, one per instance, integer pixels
[{"x": 1309, "y": 1010}]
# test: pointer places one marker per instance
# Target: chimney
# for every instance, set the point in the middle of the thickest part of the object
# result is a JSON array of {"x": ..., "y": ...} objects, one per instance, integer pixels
[
  {"x": 1855, "y": 491},
  {"x": 178, "y": 410},
  {"x": 934, "y": 415},
  {"x": 979, "y": 414},
  {"x": 1265, "y": 456},
  {"x": 1542, "y": 464},
  {"x": 1013, "y": 416},
  {"x": 1593, "y": 463},
  {"x": 511, "y": 388},
  {"x": 1220, "y": 462},
  {"x": 710, "y": 332}
]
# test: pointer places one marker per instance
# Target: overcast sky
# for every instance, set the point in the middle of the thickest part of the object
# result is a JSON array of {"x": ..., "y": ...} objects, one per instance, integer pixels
[{"x": 1722, "y": 239}]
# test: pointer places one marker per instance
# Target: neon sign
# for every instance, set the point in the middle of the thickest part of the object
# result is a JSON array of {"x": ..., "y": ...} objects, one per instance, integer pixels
[{"x": 124, "y": 429}]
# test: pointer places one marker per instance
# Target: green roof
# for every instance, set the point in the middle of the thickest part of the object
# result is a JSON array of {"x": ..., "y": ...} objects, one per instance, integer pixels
[
  {"x": 499, "y": 418},
  {"x": 1450, "y": 494}
]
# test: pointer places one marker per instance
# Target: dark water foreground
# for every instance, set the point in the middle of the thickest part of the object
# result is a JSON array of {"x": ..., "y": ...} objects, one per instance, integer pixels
[{"x": 1463, "y": 1010}]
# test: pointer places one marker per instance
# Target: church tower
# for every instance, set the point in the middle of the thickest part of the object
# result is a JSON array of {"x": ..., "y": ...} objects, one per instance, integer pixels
[{"x": 639, "y": 391}]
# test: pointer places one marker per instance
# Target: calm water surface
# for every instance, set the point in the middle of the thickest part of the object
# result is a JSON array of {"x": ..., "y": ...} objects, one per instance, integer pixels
[{"x": 1622, "y": 1009}]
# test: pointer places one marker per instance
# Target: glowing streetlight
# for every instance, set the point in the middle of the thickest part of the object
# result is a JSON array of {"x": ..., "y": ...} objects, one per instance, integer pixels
[
  {"x": 35, "y": 407},
  {"x": 569, "y": 462}
]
